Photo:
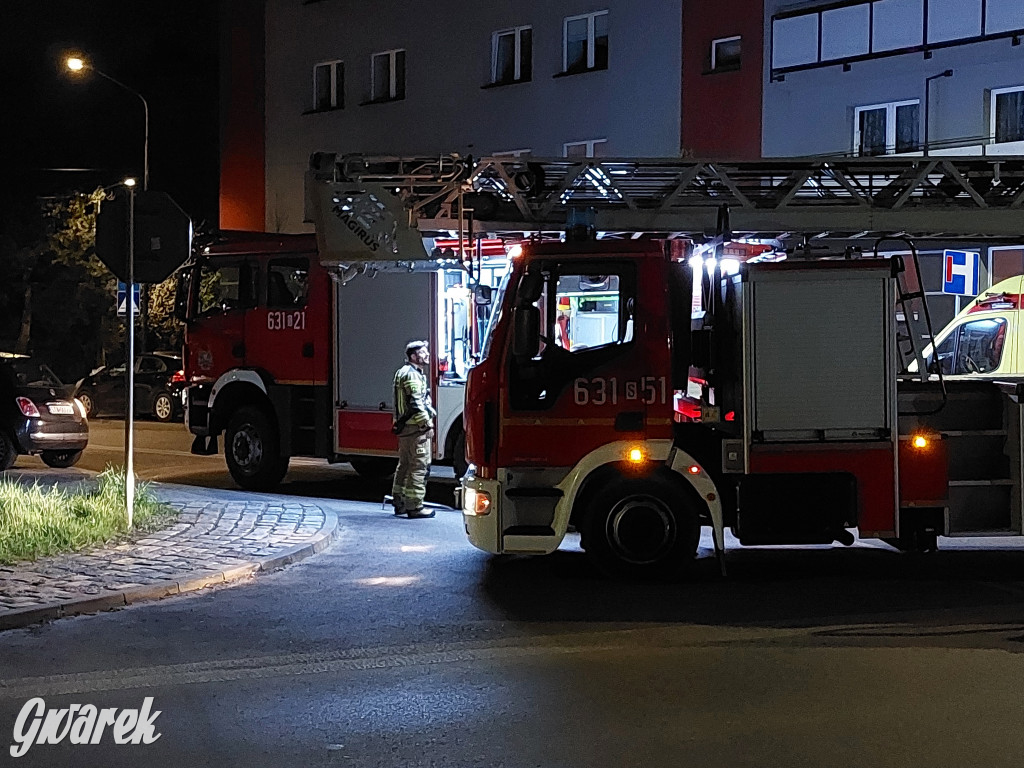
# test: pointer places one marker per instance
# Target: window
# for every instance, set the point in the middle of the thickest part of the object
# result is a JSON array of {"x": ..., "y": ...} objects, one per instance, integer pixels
[
  {"x": 225, "y": 287},
  {"x": 588, "y": 148},
  {"x": 884, "y": 129},
  {"x": 328, "y": 86},
  {"x": 512, "y": 56},
  {"x": 150, "y": 365},
  {"x": 579, "y": 316},
  {"x": 585, "y": 42},
  {"x": 387, "y": 76},
  {"x": 725, "y": 54},
  {"x": 287, "y": 283},
  {"x": 1007, "y": 114},
  {"x": 974, "y": 347}
]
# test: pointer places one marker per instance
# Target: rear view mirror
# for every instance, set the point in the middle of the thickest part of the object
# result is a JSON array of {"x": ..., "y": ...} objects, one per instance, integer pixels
[
  {"x": 526, "y": 331},
  {"x": 181, "y": 295},
  {"x": 482, "y": 295}
]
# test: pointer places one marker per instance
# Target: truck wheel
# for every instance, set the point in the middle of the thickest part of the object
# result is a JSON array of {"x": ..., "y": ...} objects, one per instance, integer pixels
[
  {"x": 641, "y": 528},
  {"x": 60, "y": 459},
  {"x": 252, "y": 447},
  {"x": 372, "y": 467},
  {"x": 8, "y": 453},
  {"x": 163, "y": 406},
  {"x": 459, "y": 463}
]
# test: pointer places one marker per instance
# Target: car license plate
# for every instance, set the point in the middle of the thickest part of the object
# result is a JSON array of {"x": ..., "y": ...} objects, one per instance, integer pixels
[{"x": 61, "y": 409}]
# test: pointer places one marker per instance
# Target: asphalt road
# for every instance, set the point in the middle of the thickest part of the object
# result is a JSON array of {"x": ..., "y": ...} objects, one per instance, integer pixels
[
  {"x": 162, "y": 454},
  {"x": 401, "y": 645}
]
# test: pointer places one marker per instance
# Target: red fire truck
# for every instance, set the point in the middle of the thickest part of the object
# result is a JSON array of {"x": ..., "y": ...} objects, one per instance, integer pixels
[
  {"x": 797, "y": 443},
  {"x": 806, "y": 431},
  {"x": 286, "y": 361}
]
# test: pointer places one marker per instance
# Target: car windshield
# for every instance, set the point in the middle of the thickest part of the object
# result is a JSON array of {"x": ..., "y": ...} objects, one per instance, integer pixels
[{"x": 27, "y": 372}]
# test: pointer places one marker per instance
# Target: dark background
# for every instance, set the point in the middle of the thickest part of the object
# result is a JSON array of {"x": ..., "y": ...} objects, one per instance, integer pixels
[{"x": 166, "y": 51}]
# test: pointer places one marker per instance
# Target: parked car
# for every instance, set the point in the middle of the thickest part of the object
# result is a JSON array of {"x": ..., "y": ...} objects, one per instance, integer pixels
[
  {"x": 38, "y": 414},
  {"x": 159, "y": 379}
]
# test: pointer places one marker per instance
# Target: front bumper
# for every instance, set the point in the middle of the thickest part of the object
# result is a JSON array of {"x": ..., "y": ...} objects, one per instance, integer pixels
[
  {"x": 196, "y": 399},
  {"x": 484, "y": 531}
]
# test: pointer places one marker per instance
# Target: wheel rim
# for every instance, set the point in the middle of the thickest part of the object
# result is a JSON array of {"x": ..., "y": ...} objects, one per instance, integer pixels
[
  {"x": 163, "y": 407},
  {"x": 247, "y": 448},
  {"x": 641, "y": 529},
  {"x": 86, "y": 403}
]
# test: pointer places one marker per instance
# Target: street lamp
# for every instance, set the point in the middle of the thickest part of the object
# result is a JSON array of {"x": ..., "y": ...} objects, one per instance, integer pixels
[
  {"x": 78, "y": 65},
  {"x": 927, "y": 95}
]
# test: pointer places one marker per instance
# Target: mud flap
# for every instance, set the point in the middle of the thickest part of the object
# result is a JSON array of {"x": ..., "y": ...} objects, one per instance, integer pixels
[{"x": 204, "y": 445}]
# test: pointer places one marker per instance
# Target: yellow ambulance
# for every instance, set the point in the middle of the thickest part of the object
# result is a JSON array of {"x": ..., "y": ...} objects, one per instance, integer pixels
[{"x": 983, "y": 340}]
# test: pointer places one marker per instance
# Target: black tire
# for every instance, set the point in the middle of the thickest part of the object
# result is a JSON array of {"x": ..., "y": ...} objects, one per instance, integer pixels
[
  {"x": 641, "y": 528},
  {"x": 459, "y": 463},
  {"x": 163, "y": 406},
  {"x": 252, "y": 450},
  {"x": 88, "y": 402},
  {"x": 8, "y": 452},
  {"x": 373, "y": 467},
  {"x": 60, "y": 459}
]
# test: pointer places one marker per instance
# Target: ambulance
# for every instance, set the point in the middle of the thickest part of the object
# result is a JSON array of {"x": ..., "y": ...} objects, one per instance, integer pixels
[{"x": 984, "y": 340}]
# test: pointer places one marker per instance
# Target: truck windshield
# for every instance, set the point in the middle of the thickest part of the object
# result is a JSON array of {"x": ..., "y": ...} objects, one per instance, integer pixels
[{"x": 497, "y": 304}]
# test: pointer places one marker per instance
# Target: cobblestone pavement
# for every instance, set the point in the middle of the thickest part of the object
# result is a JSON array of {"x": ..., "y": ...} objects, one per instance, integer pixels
[{"x": 218, "y": 536}]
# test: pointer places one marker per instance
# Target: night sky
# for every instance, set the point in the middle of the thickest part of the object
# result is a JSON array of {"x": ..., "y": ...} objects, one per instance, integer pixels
[{"x": 166, "y": 51}]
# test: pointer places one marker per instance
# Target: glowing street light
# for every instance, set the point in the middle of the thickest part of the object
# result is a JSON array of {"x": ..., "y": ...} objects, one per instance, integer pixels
[{"x": 78, "y": 65}]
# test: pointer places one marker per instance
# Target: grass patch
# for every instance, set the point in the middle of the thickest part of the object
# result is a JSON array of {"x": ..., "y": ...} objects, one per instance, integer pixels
[{"x": 37, "y": 521}]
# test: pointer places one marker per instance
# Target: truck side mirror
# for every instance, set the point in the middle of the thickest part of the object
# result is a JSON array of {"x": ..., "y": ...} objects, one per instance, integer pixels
[
  {"x": 482, "y": 295},
  {"x": 181, "y": 296},
  {"x": 526, "y": 331}
]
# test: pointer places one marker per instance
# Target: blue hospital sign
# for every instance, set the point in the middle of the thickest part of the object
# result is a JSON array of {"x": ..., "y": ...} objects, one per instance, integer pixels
[{"x": 960, "y": 272}]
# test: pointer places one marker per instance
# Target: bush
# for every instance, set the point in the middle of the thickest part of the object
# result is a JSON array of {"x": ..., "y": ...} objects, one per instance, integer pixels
[{"x": 37, "y": 521}]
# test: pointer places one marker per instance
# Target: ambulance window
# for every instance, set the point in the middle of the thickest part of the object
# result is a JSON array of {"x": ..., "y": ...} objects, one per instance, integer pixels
[
  {"x": 980, "y": 346},
  {"x": 225, "y": 287},
  {"x": 287, "y": 283},
  {"x": 943, "y": 357}
]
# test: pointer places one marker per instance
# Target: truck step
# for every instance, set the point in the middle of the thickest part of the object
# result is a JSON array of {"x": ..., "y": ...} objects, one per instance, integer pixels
[{"x": 534, "y": 493}]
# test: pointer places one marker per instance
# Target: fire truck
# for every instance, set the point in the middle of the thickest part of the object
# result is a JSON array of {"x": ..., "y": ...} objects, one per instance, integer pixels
[
  {"x": 291, "y": 346},
  {"x": 806, "y": 434}
]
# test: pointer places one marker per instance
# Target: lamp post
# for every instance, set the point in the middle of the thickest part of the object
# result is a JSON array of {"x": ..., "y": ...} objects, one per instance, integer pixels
[
  {"x": 76, "y": 64},
  {"x": 927, "y": 99}
]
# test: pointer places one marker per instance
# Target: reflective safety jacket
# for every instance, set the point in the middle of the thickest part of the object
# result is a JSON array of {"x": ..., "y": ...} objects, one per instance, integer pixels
[{"x": 412, "y": 399}]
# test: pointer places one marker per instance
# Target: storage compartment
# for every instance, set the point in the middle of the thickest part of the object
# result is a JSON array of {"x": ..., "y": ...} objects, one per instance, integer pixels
[{"x": 799, "y": 508}]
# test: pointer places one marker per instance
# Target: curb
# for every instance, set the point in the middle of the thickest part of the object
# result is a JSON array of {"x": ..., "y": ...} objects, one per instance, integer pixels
[{"x": 186, "y": 582}]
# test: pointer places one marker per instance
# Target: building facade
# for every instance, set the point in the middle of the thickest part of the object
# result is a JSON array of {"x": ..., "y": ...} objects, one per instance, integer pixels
[
  {"x": 899, "y": 77},
  {"x": 547, "y": 77},
  {"x": 871, "y": 77}
]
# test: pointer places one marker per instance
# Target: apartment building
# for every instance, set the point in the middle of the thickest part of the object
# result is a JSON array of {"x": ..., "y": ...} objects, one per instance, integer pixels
[
  {"x": 899, "y": 77},
  {"x": 542, "y": 77}
]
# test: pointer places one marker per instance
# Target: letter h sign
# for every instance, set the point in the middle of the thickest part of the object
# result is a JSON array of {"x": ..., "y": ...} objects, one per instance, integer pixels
[{"x": 960, "y": 272}]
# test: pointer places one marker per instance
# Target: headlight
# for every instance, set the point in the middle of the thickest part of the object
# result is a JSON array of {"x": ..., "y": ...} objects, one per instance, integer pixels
[{"x": 476, "y": 503}]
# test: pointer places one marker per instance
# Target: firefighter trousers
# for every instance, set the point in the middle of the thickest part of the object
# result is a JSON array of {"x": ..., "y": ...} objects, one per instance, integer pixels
[{"x": 410, "y": 486}]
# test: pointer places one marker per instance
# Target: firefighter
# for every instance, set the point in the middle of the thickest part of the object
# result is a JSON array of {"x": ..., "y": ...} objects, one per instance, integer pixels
[{"x": 414, "y": 425}]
